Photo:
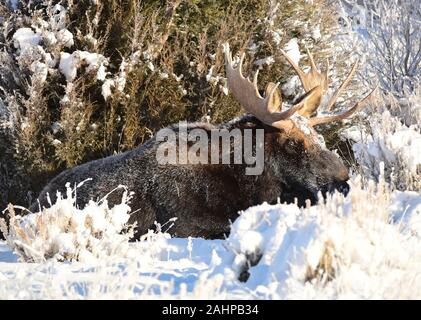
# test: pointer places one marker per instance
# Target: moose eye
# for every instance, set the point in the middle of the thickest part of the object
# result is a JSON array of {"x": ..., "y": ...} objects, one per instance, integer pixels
[
  {"x": 290, "y": 146},
  {"x": 293, "y": 146}
]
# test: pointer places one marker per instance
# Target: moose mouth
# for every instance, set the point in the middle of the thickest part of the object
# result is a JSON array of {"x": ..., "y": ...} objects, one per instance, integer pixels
[
  {"x": 300, "y": 194},
  {"x": 341, "y": 186}
]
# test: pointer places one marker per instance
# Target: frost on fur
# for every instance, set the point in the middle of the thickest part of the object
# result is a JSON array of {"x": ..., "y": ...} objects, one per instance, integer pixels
[{"x": 65, "y": 232}]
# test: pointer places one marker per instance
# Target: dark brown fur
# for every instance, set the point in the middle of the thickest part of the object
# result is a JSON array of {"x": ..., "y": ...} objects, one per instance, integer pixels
[{"x": 205, "y": 198}]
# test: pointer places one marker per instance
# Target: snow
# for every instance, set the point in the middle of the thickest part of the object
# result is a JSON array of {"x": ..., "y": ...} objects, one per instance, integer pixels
[
  {"x": 315, "y": 33},
  {"x": 58, "y": 17},
  {"x": 119, "y": 80},
  {"x": 64, "y": 232},
  {"x": 276, "y": 36},
  {"x": 344, "y": 248},
  {"x": 406, "y": 207},
  {"x": 40, "y": 71},
  {"x": 292, "y": 50},
  {"x": 65, "y": 37},
  {"x": 24, "y": 38},
  {"x": 390, "y": 141},
  {"x": 67, "y": 66},
  {"x": 49, "y": 38},
  {"x": 151, "y": 66},
  {"x": 209, "y": 75},
  {"x": 293, "y": 84},
  {"x": 268, "y": 61},
  {"x": 387, "y": 42},
  {"x": 107, "y": 88},
  {"x": 70, "y": 63},
  {"x": 408, "y": 144},
  {"x": 14, "y": 4},
  {"x": 32, "y": 55}
]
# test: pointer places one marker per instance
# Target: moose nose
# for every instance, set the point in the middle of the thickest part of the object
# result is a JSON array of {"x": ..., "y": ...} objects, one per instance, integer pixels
[{"x": 341, "y": 186}]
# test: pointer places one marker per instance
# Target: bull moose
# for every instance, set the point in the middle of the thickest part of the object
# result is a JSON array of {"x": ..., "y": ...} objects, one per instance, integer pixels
[{"x": 206, "y": 197}]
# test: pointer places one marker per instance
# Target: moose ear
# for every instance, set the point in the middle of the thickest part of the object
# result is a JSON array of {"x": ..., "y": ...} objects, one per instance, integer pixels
[{"x": 276, "y": 100}]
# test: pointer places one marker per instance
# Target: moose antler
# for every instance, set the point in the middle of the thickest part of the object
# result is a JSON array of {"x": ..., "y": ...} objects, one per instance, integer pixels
[
  {"x": 247, "y": 94},
  {"x": 358, "y": 106},
  {"x": 315, "y": 84},
  {"x": 314, "y": 79}
]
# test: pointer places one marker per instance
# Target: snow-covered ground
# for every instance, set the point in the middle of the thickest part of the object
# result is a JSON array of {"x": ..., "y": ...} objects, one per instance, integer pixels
[
  {"x": 172, "y": 271},
  {"x": 363, "y": 246}
]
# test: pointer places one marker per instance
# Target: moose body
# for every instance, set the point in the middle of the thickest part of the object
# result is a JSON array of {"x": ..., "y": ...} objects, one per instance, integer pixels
[{"x": 206, "y": 198}]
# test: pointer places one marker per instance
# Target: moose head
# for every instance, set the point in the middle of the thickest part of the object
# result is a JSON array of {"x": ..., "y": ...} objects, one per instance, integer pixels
[{"x": 293, "y": 154}]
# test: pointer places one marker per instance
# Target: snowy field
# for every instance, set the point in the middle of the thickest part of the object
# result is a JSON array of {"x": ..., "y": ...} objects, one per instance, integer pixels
[{"x": 363, "y": 246}]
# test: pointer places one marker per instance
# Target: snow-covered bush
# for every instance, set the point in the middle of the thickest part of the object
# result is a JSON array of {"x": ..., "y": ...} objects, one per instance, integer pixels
[
  {"x": 391, "y": 135},
  {"x": 389, "y": 42},
  {"x": 360, "y": 246},
  {"x": 362, "y": 249},
  {"x": 384, "y": 34},
  {"x": 65, "y": 232}
]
